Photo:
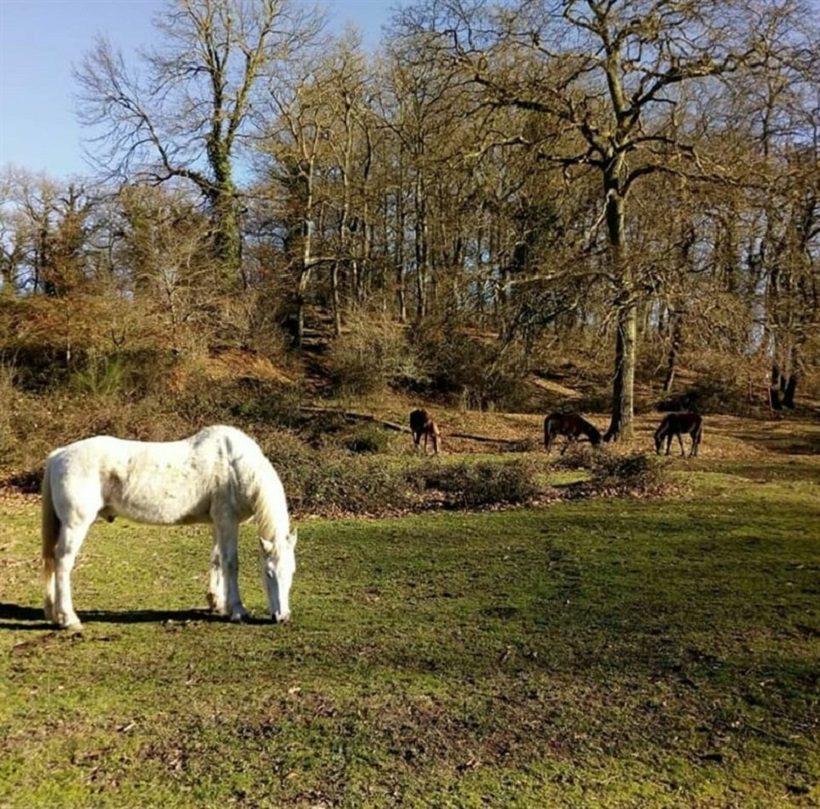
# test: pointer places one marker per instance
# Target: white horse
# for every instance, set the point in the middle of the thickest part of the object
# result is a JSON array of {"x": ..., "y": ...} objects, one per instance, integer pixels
[{"x": 217, "y": 476}]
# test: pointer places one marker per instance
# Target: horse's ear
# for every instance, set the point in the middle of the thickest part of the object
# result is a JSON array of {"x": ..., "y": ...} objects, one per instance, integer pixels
[{"x": 267, "y": 545}]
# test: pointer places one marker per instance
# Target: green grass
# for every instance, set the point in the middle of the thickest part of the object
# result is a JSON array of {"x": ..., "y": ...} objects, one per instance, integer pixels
[{"x": 600, "y": 653}]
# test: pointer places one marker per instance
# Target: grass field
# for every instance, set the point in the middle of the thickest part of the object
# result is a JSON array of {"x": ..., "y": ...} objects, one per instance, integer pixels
[{"x": 599, "y": 653}]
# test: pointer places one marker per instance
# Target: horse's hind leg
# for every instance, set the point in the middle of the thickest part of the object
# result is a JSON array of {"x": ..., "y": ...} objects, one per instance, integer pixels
[
  {"x": 49, "y": 570},
  {"x": 680, "y": 441},
  {"x": 68, "y": 546}
]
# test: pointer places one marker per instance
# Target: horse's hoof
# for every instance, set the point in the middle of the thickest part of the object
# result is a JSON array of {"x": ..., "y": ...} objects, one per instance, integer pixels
[
  {"x": 281, "y": 617},
  {"x": 239, "y": 616},
  {"x": 71, "y": 625}
]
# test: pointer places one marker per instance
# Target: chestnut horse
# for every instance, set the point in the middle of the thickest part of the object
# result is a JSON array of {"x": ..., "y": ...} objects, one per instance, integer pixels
[
  {"x": 422, "y": 424},
  {"x": 676, "y": 424},
  {"x": 570, "y": 425}
]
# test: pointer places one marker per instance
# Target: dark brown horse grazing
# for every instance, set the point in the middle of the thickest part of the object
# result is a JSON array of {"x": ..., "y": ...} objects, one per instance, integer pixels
[
  {"x": 676, "y": 424},
  {"x": 422, "y": 424},
  {"x": 570, "y": 425}
]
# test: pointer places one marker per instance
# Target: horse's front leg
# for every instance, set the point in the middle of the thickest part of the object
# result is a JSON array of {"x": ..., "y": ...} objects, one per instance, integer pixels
[
  {"x": 68, "y": 546},
  {"x": 668, "y": 443},
  {"x": 216, "y": 585},
  {"x": 680, "y": 441},
  {"x": 228, "y": 535}
]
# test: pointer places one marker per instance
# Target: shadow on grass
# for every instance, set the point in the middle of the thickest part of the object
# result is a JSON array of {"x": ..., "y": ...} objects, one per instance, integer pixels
[
  {"x": 783, "y": 443},
  {"x": 19, "y": 617}
]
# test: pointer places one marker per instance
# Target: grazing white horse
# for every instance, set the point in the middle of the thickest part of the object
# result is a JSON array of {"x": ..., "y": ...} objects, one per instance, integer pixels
[{"x": 217, "y": 476}]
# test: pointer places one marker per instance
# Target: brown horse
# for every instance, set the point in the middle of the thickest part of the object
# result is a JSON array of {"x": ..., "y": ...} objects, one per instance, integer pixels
[
  {"x": 422, "y": 424},
  {"x": 676, "y": 424},
  {"x": 570, "y": 425}
]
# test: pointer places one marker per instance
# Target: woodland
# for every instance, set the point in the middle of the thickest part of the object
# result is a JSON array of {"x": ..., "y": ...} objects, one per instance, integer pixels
[{"x": 619, "y": 195}]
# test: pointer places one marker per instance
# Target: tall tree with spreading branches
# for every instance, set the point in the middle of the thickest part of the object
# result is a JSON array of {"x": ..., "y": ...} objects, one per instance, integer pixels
[
  {"x": 184, "y": 117},
  {"x": 610, "y": 78}
]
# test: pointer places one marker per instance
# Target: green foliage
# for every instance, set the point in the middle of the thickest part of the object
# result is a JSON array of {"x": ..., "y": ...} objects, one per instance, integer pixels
[
  {"x": 102, "y": 376},
  {"x": 367, "y": 440}
]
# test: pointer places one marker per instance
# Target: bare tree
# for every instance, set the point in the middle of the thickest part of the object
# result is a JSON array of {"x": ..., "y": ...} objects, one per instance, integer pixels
[
  {"x": 608, "y": 77},
  {"x": 185, "y": 116}
]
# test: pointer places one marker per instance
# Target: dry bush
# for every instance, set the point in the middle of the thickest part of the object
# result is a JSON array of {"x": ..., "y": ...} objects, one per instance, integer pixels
[
  {"x": 480, "y": 373},
  {"x": 721, "y": 385},
  {"x": 329, "y": 482},
  {"x": 372, "y": 353},
  {"x": 468, "y": 485},
  {"x": 636, "y": 474},
  {"x": 8, "y": 404},
  {"x": 249, "y": 320}
]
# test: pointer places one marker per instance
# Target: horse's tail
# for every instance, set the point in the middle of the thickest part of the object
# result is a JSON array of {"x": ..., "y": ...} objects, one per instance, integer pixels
[
  {"x": 660, "y": 433},
  {"x": 49, "y": 523},
  {"x": 698, "y": 434}
]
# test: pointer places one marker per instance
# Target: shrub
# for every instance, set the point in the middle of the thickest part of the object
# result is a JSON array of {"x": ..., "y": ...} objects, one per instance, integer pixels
[
  {"x": 479, "y": 484},
  {"x": 371, "y": 354},
  {"x": 707, "y": 396},
  {"x": 477, "y": 372},
  {"x": 331, "y": 482},
  {"x": 101, "y": 376},
  {"x": 365, "y": 440},
  {"x": 580, "y": 455},
  {"x": 8, "y": 399},
  {"x": 633, "y": 474}
]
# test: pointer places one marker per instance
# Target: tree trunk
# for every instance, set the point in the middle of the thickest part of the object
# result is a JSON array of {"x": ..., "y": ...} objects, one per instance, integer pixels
[
  {"x": 420, "y": 234},
  {"x": 790, "y": 390},
  {"x": 623, "y": 384},
  {"x": 227, "y": 236},
  {"x": 334, "y": 294},
  {"x": 775, "y": 386},
  {"x": 674, "y": 351},
  {"x": 401, "y": 292}
]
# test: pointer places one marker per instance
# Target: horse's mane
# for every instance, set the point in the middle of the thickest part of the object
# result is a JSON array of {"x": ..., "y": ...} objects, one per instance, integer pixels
[{"x": 264, "y": 491}]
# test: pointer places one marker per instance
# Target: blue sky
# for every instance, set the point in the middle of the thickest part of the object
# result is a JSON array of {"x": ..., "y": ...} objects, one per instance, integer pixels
[{"x": 40, "y": 41}]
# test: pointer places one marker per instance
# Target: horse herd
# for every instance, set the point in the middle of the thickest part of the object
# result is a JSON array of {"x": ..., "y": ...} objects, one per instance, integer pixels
[
  {"x": 219, "y": 476},
  {"x": 572, "y": 426}
]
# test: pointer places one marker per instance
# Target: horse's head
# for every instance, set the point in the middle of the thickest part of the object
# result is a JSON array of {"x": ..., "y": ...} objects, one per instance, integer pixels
[
  {"x": 659, "y": 434},
  {"x": 278, "y": 560}
]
